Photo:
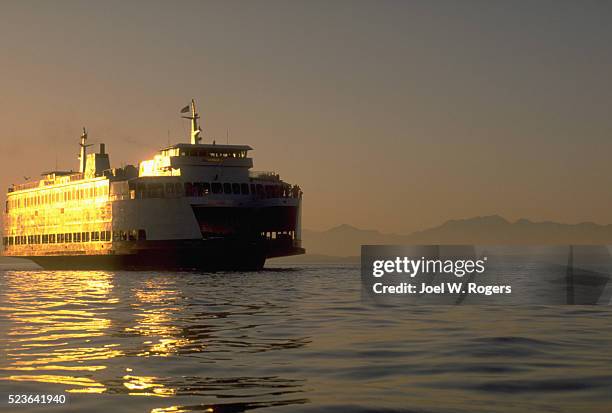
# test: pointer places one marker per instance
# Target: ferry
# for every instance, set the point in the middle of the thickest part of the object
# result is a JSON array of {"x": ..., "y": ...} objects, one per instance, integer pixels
[{"x": 193, "y": 206}]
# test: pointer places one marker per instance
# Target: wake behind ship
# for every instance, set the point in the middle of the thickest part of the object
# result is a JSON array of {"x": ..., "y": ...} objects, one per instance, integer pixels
[{"x": 193, "y": 206}]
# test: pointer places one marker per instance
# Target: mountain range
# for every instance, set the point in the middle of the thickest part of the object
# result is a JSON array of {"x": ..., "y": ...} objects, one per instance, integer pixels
[{"x": 346, "y": 240}]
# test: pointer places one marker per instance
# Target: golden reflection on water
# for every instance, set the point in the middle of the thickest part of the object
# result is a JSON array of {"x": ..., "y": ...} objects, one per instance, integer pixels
[
  {"x": 178, "y": 409},
  {"x": 53, "y": 316},
  {"x": 156, "y": 306},
  {"x": 89, "y": 332},
  {"x": 146, "y": 386}
]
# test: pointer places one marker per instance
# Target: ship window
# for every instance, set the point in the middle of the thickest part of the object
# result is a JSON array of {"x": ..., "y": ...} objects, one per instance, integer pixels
[
  {"x": 236, "y": 189},
  {"x": 68, "y": 237},
  {"x": 177, "y": 188},
  {"x": 188, "y": 189},
  {"x": 95, "y": 236},
  {"x": 227, "y": 188},
  {"x": 197, "y": 189},
  {"x": 77, "y": 237},
  {"x": 16, "y": 240},
  {"x": 107, "y": 235},
  {"x": 170, "y": 189},
  {"x": 206, "y": 188},
  {"x": 260, "y": 190},
  {"x": 252, "y": 189},
  {"x": 155, "y": 190},
  {"x": 140, "y": 190},
  {"x": 85, "y": 236},
  {"x": 132, "y": 235},
  {"x": 45, "y": 239},
  {"x": 51, "y": 238},
  {"x": 123, "y": 235},
  {"x": 244, "y": 188},
  {"x": 142, "y": 234},
  {"x": 216, "y": 188}
]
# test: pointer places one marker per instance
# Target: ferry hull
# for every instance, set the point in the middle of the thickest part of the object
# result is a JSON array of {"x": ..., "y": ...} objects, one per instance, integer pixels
[{"x": 206, "y": 255}]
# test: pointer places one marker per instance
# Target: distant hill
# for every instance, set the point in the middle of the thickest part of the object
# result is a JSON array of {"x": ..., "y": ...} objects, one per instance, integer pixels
[{"x": 345, "y": 240}]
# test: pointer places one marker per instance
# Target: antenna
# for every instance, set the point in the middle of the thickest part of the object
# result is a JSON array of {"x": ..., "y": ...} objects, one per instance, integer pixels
[{"x": 227, "y": 136}]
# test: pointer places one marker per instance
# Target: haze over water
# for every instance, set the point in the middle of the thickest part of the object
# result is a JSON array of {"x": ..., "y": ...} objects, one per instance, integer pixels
[{"x": 288, "y": 339}]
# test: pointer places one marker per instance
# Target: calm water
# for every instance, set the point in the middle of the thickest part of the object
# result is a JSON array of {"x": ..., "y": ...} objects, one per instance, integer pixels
[{"x": 288, "y": 339}]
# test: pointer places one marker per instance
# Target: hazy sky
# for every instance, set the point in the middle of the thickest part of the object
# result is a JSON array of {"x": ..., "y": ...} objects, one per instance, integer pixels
[{"x": 390, "y": 115}]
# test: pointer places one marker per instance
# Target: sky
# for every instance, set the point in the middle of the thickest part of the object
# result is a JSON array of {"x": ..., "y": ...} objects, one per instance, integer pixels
[{"x": 391, "y": 115}]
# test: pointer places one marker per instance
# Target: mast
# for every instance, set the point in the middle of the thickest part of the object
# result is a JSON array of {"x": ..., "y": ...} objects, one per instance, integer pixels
[
  {"x": 195, "y": 128},
  {"x": 83, "y": 154}
]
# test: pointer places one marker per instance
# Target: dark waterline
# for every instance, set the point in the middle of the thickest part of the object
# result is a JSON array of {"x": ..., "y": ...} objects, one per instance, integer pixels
[{"x": 290, "y": 338}]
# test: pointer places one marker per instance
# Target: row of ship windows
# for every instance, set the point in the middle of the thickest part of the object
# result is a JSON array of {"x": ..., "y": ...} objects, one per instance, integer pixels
[
  {"x": 159, "y": 190},
  {"x": 205, "y": 188},
  {"x": 69, "y": 237},
  {"x": 50, "y": 197},
  {"x": 213, "y": 154},
  {"x": 192, "y": 189},
  {"x": 205, "y": 153}
]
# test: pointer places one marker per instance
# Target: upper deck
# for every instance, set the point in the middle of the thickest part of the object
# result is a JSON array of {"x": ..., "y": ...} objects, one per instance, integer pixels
[
  {"x": 49, "y": 179},
  {"x": 192, "y": 162},
  {"x": 173, "y": 160}
]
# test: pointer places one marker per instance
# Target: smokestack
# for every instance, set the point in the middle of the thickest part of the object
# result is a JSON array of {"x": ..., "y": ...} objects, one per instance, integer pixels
[{"x": 101, "y": 149}]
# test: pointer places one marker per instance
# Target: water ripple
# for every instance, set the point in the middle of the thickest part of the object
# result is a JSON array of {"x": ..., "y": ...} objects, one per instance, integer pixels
[{"x": 289, "y": 339}]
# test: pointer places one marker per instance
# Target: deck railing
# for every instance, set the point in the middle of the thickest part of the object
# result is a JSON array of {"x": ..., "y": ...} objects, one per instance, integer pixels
[{"x": 264, "y": 175}]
